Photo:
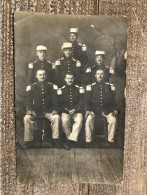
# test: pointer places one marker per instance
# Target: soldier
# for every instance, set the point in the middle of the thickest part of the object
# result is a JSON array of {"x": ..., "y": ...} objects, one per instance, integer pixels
[
  {"x": 71, "y": 101},
  {"x": 78, "y": 49},
  {"x": 100, "y": 101},
  {"x": 41, "y": 102},
  {"x": 90, "y": 71},
  {"x": 41, "y": 63},
  {"x": 67, "y": 64}
]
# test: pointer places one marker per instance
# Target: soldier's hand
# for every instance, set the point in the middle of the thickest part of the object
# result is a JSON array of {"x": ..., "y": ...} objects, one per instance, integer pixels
[
  {"x": 71, "y": 112},
  {"x": 54, "y": 112},
  {"x": 86, "y": 114}
]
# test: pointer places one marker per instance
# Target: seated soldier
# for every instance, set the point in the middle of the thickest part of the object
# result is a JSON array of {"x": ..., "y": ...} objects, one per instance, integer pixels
[
  {"x": 41, "y": 103},
  {"x": 67, "y": 64},
  {"x": 90, "y": 71},
  {"x": 71, "y": 101},
  {"x": 100, "y": 100}
]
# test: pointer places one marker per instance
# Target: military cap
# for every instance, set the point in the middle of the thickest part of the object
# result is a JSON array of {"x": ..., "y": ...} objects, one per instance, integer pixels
[
  {"x": 73, "y": 30},
  {"x": 67, "y": 45},
  {"x": 99, "y": 53},
  {"x": 41, "y": 48}
]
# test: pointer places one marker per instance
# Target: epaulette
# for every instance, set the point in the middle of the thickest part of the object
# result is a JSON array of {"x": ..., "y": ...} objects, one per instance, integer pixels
[
  {"x": 59, "y": 91},
  {"x": 107, "y": 83},
  {"x": 88, "y": 88},
  {"x": 49, "y": 62},
  {"x": 74, "y": 59},
  {"x": 80, "y": 44},
  {"x": 55, "y": 87},
  {"x": 94, "y": 83},
  {"x": 78, "y": 63},
  {"x": 30, "y": 66},
  {"x": 88, "y": 70},
  {"x": 111, "y": 85},
  {"x": 57, "y": 62},
  {"x": 111, "y": 70},
  {"x": 62, "y": 58},
  {"x": 28, "y": 88},
  {"x": 53, "y": 66},
  {"x": 81, "y": 90},
  {"x": 84, "y": 47},
  {"x": 107, "y": 66}
]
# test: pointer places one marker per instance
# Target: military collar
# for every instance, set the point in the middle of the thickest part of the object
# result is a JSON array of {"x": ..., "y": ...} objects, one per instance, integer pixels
[{"x": 44, "y": 61}]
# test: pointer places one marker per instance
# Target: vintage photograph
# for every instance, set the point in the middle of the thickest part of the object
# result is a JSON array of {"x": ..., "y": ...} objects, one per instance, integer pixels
[{"x": 70, "y": 77}]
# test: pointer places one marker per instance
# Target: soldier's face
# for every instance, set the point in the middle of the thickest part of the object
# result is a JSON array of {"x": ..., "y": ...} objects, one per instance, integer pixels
[
  {"x": 73, "y": 37},
  {"x": 99, "y": 75},
  {"x": 41, "y": 55},
  {"x": 69, "y": 79},
  {"x": 99, "y": 59},
  {"x": 67, "y": 52},
  {"x": 41, "y": 75}
]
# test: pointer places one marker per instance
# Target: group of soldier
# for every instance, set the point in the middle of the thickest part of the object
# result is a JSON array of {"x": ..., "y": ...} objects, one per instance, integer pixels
[{"x": 68, "y": 94}]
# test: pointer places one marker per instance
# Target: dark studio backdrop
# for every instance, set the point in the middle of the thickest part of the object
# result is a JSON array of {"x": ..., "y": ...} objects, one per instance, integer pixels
[{"x": 106, "y": 33}]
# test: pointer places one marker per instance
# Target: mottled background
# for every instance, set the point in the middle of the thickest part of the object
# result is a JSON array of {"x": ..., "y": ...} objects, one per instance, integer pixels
[{"x": 97, "y": 32}]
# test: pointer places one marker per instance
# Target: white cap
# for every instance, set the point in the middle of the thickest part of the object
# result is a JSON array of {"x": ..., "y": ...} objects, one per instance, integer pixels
[
  {"x": 66, "y": 45},
  {"x": 100, "y": 53},
  {"x": 41, "y": 48},
  {"x": 73, "y": 30}
]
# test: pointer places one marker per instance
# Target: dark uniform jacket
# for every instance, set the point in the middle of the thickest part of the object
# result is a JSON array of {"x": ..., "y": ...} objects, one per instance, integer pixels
[
  {"x": 90, "y": 73},
  {"x": 79, "y": 53},
  {"x": 100, "y": 97},
  {"x": 33, "y": 67},
  {"x": 41, "y": 97},
  {"x": 71, "y": 97},
  {"x": 67, "y": 65}
]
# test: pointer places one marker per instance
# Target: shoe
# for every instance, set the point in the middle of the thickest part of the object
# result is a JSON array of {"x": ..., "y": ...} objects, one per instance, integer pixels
[
  {"x": 28, "y": 145},
  {"x": 47, "y": 144},
  {"x": 37, "y": 145},
  {"x": 67, "y": 145},
  {"x": 73, "y": 144},
  {"x": 57, "y": 144},
  {"x": 88, "y": 145}
]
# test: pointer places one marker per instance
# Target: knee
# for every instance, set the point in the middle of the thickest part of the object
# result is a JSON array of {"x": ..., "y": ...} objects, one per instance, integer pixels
[
  {"x": 89, "y": 118},
  {"x": 112, "y": 120},
  {"x": 64, "y": 119},
  {"x": 56, "y": 117},
  {"x": 79, "y": 118},
  {"x": 27, "y": 118}
]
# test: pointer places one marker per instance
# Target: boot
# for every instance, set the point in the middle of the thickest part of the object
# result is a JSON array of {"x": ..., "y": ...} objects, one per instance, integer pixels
[
  {"x": 57, "y": 144},
  {"x": 67, "y": 145}
]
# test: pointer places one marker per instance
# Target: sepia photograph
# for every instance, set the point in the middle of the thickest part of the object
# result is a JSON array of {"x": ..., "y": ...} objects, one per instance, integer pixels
[{"x": 70, "y": 78}]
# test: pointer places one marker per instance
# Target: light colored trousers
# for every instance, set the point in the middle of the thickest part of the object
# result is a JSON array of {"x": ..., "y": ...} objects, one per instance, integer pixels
[
  {"x": 30, "y": 126},
  {"x": 89, "y": 126},
  {"x": 72, "y": 133}
]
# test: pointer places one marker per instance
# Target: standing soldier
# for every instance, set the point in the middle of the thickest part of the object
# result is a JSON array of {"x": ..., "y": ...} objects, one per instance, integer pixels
[
  {"x": 78, "y": 49},
  {"x": 67, "y": 64},
  {"x": 41, "y": 103},
  {"x": 71, "y": 101},
  {"x": 100, "y": 100},
  {"x": 41, "y": 63},
  {"x": 90, "y": 71}
]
